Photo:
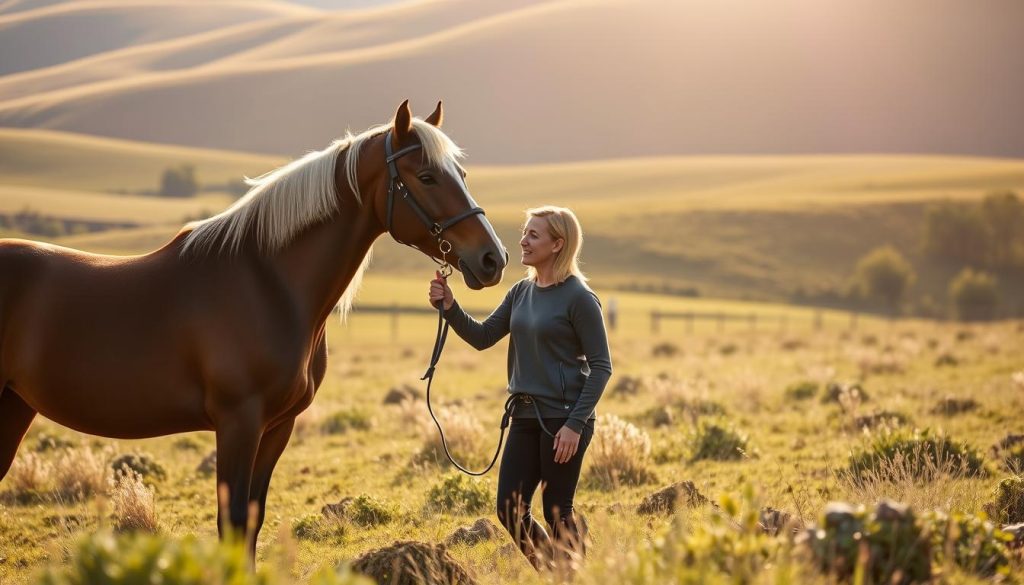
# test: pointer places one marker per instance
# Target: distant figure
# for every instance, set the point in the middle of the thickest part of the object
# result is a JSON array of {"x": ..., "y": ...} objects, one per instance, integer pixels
[
  {"x": 613, "y": 312},
  {"x": 558, "y": 366}
]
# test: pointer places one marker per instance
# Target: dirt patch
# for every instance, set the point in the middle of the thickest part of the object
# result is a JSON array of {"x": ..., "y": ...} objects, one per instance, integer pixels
[
  {"x": 481, "y": 530},
  {"x": 665, "y": 501},
  {"x": 412, "y": 563},
  {"x": 402, "y": 393}
]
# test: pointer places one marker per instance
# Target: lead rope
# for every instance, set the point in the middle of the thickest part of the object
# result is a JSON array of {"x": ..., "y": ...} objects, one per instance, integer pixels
[
  {"x": 444, "y": 246},
  {"x": 435, "y": 356}
]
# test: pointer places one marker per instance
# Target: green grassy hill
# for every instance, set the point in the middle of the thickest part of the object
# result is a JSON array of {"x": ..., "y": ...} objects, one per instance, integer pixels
[{"x": 757, "y": 228}]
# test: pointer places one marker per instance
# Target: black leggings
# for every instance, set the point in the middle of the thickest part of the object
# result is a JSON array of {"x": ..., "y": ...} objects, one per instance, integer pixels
[{"x": 528, "y": 460}]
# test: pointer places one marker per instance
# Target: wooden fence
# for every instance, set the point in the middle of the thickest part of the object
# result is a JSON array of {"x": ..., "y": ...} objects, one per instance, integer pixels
[{"x": 752, "y": 321}]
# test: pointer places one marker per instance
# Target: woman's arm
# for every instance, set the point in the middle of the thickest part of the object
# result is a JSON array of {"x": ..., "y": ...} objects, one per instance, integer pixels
[
  {"x": 485, "y": 334},
  {"x": 588, "y": 322}
]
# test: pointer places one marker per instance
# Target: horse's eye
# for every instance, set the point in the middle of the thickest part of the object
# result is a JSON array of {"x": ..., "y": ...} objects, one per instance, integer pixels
[{"x": 427, "y": 179}]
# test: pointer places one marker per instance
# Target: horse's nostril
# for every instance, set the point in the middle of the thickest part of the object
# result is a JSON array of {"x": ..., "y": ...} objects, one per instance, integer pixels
[{"x": 489, "y": 263}]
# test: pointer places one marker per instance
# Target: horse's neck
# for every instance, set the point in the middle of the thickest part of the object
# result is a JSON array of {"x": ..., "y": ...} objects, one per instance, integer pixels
[{"x": 319, "y": 264}]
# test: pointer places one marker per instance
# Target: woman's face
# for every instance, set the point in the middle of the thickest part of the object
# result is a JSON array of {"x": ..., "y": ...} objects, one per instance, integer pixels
[{"x": 538, "y": 247}]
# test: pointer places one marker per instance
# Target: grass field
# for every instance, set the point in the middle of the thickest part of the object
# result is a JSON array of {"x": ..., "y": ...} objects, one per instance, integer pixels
[{"x": 796, "y": 450}]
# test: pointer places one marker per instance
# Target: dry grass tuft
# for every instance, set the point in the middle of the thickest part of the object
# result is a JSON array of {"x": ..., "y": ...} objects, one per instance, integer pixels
[
  {"x": 133, "y": 503},
  {"x": 1018, "y": 380},
  {"x": 82, "y": 473},
  {"x": 619, "y": 454},
  {"x": 29, "y": 477},
  {"x": 463, "y": 432}
]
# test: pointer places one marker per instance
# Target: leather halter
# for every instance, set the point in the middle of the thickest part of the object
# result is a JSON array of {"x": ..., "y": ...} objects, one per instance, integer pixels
[{"x": 435, "y": 228}]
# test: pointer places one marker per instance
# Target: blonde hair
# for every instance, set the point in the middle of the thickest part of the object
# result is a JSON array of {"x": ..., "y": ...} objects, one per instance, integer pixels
[{"x": 562, "y": 224}]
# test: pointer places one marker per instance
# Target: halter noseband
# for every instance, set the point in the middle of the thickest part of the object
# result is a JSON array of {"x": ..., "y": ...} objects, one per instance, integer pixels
[{"x": 395, "y": 183}]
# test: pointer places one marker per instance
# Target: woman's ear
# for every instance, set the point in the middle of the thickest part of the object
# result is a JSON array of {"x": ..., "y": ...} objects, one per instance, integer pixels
[{"x": 559, "y": 244}]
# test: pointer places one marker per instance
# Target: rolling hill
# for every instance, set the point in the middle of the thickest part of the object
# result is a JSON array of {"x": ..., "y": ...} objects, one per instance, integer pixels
[
  {"x": 527, "y": 82},
  {"x": 740, "y": 227}
]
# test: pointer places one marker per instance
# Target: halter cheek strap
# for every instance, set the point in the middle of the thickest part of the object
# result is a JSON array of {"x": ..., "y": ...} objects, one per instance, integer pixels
[{"x": 396, "y": 184}]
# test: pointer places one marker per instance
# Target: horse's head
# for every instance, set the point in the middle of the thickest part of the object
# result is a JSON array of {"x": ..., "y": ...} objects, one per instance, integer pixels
[{"x": 427, "y": 205}]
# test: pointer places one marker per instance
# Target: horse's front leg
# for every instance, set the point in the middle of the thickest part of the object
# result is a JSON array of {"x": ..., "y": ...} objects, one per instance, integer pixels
[
  {"x": 239, "y": 431},
  {"x": 273, "y": 444}
]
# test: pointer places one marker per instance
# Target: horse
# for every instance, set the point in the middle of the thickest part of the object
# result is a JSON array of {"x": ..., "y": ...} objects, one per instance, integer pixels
[{"x": 222, "y": 328}]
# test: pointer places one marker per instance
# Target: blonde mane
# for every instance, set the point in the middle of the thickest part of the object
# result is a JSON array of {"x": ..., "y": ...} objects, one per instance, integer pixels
[{"x": 283, "y": 202}]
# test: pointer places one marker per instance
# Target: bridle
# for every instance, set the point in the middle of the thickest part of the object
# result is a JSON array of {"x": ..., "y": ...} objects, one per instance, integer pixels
[{"x": 395, "y": 183}]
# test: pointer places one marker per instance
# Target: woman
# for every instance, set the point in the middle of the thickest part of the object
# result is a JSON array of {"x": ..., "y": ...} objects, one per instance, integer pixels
[{"x": 558, "y": 365}]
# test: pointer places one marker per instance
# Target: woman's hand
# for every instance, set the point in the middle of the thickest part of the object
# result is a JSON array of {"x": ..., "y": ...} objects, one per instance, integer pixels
[
  {"x": 566, "y": 443},
  {"x": 439, "y": 291}
]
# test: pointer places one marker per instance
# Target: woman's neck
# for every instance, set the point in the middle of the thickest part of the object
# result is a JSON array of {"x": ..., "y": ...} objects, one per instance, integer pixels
[{"x": 545, "y": 276}]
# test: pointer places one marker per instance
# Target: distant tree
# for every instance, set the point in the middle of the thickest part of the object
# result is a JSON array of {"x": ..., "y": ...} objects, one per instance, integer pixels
[
  {"x": 975, "y": 295},
  {"x": 884, "y": 274},
  {"x": 179, "y": 181},
  {"x": 957, "y": 232},
  {"x": 1003, "y": 213},
  {"x": 37, "y": 224}
]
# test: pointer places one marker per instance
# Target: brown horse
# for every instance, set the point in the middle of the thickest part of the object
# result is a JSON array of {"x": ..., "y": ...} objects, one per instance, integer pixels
[{"x": 222, "y": 328}]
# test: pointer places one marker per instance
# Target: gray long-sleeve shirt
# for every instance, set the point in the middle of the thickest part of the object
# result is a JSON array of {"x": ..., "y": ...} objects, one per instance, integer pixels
[{"x": 558, "y": 351}]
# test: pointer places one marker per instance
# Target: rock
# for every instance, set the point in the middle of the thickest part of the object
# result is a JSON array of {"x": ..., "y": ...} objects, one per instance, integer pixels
[
  {"x": 666, "y": 500},
  {"x": 481, "y": 530}
]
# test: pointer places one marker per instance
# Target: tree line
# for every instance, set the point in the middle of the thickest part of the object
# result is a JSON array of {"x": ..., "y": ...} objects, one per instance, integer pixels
[
  {"x": 984, "y": 240},
  {"x": 182, "y": 181}
]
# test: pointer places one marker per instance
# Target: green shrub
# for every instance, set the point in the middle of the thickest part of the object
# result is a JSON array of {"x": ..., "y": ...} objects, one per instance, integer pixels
[
  {"x": 1008, "y": 507},
  {"x": 919, "y": 455},
  {"x": 801, "y": 390},
  {"x": 345, "y": 420},
  {"x": 950, "y": 406},
  {"x": 729, "y": 547},
  {"x": 887, "y": 544},
  {"x": 1010, "y": 452},
  {"x": 369, "y": 511},
  {"x": 107, "y": 559},
  {"x": 140, "y": 463},
  {"x": 45, "y": 442},
  {"x": 835, "y": 392},
  {"x": 460, "y": 493},
  {"x": 880, "y": 418},
  {"x": 973, "y": 544},
  {"x": 318, "y": 527},
  {"x": 713, "y": 441}
]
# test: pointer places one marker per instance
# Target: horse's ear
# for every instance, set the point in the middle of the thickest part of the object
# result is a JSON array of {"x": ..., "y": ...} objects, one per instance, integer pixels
[
  {"x": 403, "y": 125},
  {"x": 437, "y": 118}
]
